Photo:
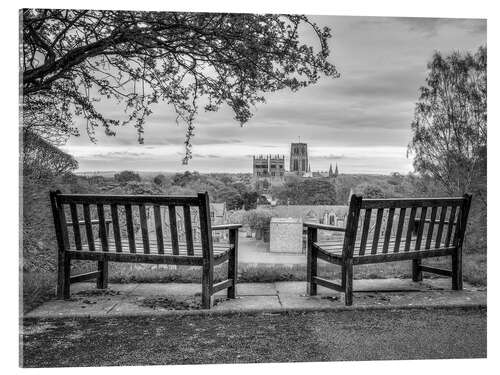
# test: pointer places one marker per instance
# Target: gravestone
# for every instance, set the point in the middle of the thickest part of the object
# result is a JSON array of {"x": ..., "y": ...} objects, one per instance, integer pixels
[{"x": 286, "y": 235}]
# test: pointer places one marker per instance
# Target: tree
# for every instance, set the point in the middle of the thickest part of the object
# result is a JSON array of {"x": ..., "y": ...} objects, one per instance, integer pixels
[
  {"x": 308, "y": 191},
  {"x": 231, "y": 196},
  {"x": 73, "y": 58},
  {"x": 250, "y": 200},
  {"x": 127, "y": 176},
  {"x": 449, "y": 129},
  {"x": 160, "y": 180},
  {"x": 42, "y": 160},
  {"x": 368, "y": 190}
]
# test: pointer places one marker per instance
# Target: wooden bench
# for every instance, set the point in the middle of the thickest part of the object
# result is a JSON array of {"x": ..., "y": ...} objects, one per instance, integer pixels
[
  {"x": 387, "y": 230},
  {"x": 77, "y": 218}
]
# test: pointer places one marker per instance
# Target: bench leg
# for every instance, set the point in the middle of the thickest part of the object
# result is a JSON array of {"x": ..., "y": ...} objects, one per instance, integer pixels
[
  {"x": 67, "y": 273},
  {"x": 342, "y": 280},
  {"x": 63, "y": 276},
  {"x": 206, "y": 286},
  {"x": 347, "y": 269},
  {"x": 312, "y": 262},
  {"x": 232, "y": 264},
  {"x": 102, "y": 278},
  {"x": 456, "y": 271},
  {"x": 416, "y": 270}
]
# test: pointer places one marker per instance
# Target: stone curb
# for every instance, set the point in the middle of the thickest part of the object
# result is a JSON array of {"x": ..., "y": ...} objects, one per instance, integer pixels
[{"x": 181, "y": 313}]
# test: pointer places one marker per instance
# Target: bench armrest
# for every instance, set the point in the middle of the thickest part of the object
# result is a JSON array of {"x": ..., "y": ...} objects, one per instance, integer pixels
[
  {"x": 226, "y": 226},
  {"x": 324, "y": 227},
  {"x": 93, "y": 222}
]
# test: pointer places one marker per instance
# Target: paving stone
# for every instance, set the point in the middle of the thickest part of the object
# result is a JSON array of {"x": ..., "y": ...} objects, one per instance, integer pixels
[
  {"x": 125, "y": 299},
  {"x": 171, "y": 289},
  {"x": 256, "y": 289},
  {"x": 77, "y": 308},
  {"x": 290, "y": 301},
  {"x": 243, "y": 303}
]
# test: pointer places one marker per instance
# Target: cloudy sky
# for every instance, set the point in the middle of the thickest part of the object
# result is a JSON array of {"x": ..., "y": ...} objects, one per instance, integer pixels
[{"x": 361, "y": 121}]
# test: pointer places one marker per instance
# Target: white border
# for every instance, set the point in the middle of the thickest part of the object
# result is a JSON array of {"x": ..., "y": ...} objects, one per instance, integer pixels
[{"x": 9, "y": 149}]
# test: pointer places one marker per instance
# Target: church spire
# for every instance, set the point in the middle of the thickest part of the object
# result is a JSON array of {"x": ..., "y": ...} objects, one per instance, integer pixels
[
  {"x": 336, "y": 170},
  {"x": 330, "y": 171}
]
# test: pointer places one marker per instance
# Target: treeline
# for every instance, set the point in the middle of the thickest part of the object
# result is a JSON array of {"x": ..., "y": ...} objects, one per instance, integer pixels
[{"x": 336, "y": 191}]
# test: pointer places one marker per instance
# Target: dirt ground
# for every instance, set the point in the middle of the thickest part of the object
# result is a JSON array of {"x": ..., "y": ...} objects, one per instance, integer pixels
[{"x": 325, "y": 336}]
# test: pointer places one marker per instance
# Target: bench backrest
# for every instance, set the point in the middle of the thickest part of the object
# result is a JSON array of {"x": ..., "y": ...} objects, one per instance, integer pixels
[
  {"x": 376, "y": 226},
  {"x": 75, "y": 216}
]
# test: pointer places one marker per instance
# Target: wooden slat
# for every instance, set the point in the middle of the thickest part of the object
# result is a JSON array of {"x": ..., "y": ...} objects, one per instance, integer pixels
[
  {"x": 222, "y": 285},
  {"x": 327, "y": 283},
  {"x": 144, "y": 228},
  {"x": 366, "y": 228},
  {"x": 388, "y": 229},
  {"x": 153, "y": 247},
  {"x": 458, "y": 225},
  {"x": 76, "y": 227},
  {"x": 450, "y": 226},
  {"x": 320, "y": 226},
  {"x": 83, "y": 277},
  {"x": 409, "y": 230},
  {"x": 130, "y": 228},
  {"x": 207, "y": 274},
  {"x": 158, "y": 228},
  {"x": 442, "y": 218},
  {"x": 407, "y": 203},
  {"x": 437, "y": 271},
  {"x": 376, "y": 231},
  {"x": 421, "y": 226},
  {"x": 64, "y": 226},
  {"x": 399, "y": 230},
  {"x": 430, "y": 230},
  {"x": 128, "y": 199},
  {"x": 94, "y": 222},
  {"x": 116, "y": 227},
  {"x": 103, "y": 235},
  {"x": 88, "y": 227},
  {"x": 173, "y": 229},
  {"x": 138, "y": 258},
  {"x": 328, "y": 257},
  {"x": 188, "y": 229},
  {"x": 393, "y": 257}
]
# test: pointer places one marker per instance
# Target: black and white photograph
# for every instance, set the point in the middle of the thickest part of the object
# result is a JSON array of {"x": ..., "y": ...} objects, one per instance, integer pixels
[{"x": 210, "y": 187}]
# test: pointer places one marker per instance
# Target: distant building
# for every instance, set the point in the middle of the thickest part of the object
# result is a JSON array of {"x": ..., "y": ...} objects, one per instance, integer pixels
[
  {"x": 333, "y": 174},
  {"x": 268, "y": 170},
  {"x": 299, "y": 160}
]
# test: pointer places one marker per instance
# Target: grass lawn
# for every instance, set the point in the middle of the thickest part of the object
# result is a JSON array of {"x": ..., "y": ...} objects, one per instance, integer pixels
[{"x": 327, "y": 336}]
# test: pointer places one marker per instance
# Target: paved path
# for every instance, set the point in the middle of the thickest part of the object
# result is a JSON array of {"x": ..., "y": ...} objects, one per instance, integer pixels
[
  {"x": 251, "y": 251},
  {"x": 156, "y": 299}
]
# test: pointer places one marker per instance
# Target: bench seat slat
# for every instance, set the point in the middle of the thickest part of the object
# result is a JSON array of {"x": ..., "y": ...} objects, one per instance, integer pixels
[
  {"x": 334, "y": 254},
  {"x": 336, "y": 247},
  {"x": 153, "y": 248}
]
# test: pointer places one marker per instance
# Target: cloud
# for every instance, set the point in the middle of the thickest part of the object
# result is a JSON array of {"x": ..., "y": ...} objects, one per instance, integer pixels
[
  {"x": 361, "y": 119},
  {"x": 432, "y": 26},
  {"x": 328, "y": 157}
]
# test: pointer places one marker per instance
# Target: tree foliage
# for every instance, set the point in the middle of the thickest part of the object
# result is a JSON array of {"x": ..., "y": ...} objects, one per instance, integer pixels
[
  {"x": 449, "y": 129},
  {"x": 307, "y": 191},
  {"x": 42, "y": 160},
  {"x": 71, "y": 59},
  {"x": 127, "y": 176},
  {"x": 160, "y": 180}
]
